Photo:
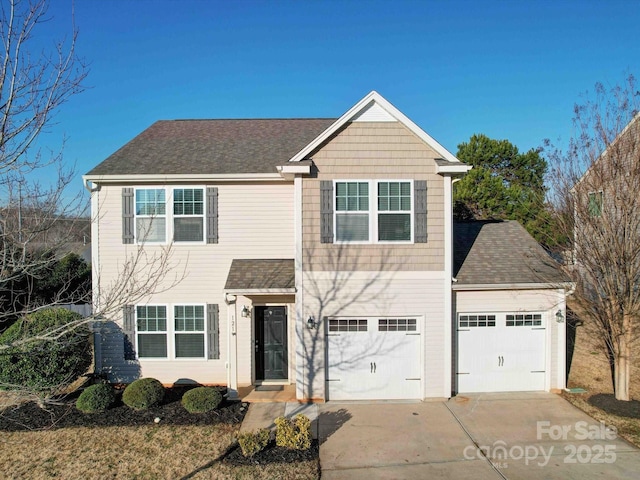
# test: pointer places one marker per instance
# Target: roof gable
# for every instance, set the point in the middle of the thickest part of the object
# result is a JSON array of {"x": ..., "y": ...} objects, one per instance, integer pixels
[{"x": 374, "y": 107}]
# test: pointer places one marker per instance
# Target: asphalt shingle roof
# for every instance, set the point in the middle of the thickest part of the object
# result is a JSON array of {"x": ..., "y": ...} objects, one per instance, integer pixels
[
  {"x": 500, "y": 252},
  {"x": 213, "y": 146},
  {"x": 261, "y": 274}
]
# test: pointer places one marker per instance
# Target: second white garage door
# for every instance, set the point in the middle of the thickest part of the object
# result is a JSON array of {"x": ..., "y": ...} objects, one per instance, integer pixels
[
  {"x": 374, "y": 358},
  {"x": 501, "y": 352}
]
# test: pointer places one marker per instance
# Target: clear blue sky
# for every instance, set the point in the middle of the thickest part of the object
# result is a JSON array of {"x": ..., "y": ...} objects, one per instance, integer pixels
[{"x": 509, "y": 69}]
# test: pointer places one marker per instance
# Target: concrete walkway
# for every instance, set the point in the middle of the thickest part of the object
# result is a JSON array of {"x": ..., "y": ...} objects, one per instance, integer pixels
[{"x": 489, "y": 436}]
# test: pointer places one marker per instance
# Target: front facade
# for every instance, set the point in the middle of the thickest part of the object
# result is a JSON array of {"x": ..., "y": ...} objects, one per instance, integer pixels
[{"x": 314, "y": 252}]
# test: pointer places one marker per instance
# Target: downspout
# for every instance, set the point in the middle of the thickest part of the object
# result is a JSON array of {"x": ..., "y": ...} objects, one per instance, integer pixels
[
  {"x": 95, "y": 270},
  {"x": 448, "y": 297}
]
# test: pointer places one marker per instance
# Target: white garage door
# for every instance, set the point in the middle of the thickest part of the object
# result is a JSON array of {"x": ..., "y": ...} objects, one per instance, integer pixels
[
  {"x": 374, "y": 358},
  {"x": 501, "y": 352}
]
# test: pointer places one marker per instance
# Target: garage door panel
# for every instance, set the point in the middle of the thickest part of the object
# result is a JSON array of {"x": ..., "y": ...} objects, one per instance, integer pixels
[
  {"x": 381, "y": 361},
  {"x": 501, "y": 352}
]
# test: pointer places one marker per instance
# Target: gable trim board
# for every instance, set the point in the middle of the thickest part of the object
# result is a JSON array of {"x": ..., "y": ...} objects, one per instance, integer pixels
[
  {"x": 264, "y": 237},
  {"x": 366, "y": 103}
]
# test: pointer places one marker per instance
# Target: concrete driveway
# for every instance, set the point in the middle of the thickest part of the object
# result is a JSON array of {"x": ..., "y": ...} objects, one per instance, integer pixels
[{"x": 488, "y": 436}]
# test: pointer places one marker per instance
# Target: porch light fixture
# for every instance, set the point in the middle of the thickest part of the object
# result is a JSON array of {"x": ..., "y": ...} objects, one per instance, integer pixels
[
  {"x": 311, "y": 323},
  {"x": 246, "y": 312},
  {"x": 559, "y": 316}
]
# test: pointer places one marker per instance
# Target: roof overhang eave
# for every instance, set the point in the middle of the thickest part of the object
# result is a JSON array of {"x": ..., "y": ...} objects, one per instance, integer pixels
[
  {"x": 260, "y": 291},
  {"x": 182, "y": 177},
  {"x": 512, "y": 286},
  {"x": 450, "y": 169}
]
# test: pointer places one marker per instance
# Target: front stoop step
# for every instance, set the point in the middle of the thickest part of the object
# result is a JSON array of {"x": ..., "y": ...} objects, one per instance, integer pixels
[{"x": 249, "y": 394}]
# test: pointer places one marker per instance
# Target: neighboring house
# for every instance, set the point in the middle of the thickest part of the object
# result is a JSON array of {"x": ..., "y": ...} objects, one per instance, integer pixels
[{"x": 317, "y": 252}]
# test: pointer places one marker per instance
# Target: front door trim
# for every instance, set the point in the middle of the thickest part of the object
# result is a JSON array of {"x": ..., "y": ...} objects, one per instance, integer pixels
[{"x": 271, "y": 348}]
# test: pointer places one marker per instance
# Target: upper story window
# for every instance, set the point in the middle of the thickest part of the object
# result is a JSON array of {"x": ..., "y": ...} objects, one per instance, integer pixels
[
  {"x": 595, "y": 204},
  {"x": 151, "y": 222},
  {"x": 161, "y": 215},
  {"x": 394, "y": 211},
  {"x": 188, "y": 214},
  {"x": 373, "y": 211},
  {"x": 352, "y": 211}
]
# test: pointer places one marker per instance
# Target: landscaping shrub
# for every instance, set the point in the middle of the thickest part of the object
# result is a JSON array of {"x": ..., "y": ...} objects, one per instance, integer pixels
[
  {"x": 293, "y": 434},
  {"x": 46, "y": 366},
  {"x": 253, "y": 442},
  {"x": 143, "y": 393},
  {"x": 201, "y": 399},
  {"x": 96, "y": 398}
]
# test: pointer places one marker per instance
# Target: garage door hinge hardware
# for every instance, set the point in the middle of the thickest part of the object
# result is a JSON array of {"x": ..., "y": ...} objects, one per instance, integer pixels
[{"x": 373, "y": 367}]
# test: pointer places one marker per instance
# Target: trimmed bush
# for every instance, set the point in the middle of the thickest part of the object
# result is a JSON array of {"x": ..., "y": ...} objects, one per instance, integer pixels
[
  {"x": 143, "y": 393},
  {"x": 293, "y": 434},
  {"x": 253, "y": 442},
  {"x": 96, "y": 398},
  {"x": 201, "y": 399},
  {"x": 46, "y": 366}
]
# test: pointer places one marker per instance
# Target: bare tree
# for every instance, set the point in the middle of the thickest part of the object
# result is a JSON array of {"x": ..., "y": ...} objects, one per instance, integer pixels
[
  {"x": 595, "y": 186},
  {"x": 34, "y": 85},
  {"x": 38, "y": 221}
]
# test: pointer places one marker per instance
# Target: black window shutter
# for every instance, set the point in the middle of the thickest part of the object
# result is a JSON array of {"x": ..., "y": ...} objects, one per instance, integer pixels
[
  {"x": 127, "y": 215},
  {"x": 213, "y": 330},
  {"x": 326, "y": 211},
  {"x": 129, "y": 331},
  {"x": 212, "y": 215},
  {"x": 420, "y": 214}
]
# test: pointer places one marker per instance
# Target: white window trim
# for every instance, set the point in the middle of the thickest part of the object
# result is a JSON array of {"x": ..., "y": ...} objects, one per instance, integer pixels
[
  {"x": 165, "y": 332},
  {"x": 144, "y": 241},
  {"x": 373, "y": 212},
  {"x": 175, "y": 332},
  {"x": 169, "y": 216},
  {"x": 203, "y": 215},
  {"x": 170, "y": 333}
]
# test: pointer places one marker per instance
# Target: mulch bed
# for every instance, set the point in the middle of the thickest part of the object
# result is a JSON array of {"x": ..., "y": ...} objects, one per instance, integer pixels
[
  {"x": 272, "y": 454},
  {"x": 30, "y": 416},
  {"x": 608, "y": 403}
]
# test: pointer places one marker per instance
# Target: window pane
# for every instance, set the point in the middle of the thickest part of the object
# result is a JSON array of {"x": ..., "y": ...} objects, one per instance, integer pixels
[
  {"x": 188, "y": 201},
  {"x": 189, "y": 345},
  {"x": 150, "y": 202},
  {"x": 188, "y": 229},
  {"x": 152, "y": 345},
  {"x": 150, "y": 229},
  {"x": 595, "y": 204},
  {"x": 394, "y": 227},
  {"x": 352, "y": 228}
]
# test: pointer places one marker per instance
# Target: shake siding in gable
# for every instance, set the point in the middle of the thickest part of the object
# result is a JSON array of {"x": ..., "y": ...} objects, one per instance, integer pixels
[
  {"x": 372, "y": 150},
  {"x": 255, "y": 221}
]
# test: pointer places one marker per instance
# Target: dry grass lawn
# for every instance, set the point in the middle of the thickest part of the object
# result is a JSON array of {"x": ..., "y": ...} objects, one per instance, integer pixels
[
  {"x": 147, "y": 452},
  {"x": 590, "y": 370}
]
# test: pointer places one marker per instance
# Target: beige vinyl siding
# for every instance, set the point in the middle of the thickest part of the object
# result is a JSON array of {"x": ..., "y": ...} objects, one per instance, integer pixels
[
  {"x": 255, "y": 221},
  {"x": 374, "y": 150},
  {"x": 374, "y": 294},
  {"x": 547, "y": 302}
]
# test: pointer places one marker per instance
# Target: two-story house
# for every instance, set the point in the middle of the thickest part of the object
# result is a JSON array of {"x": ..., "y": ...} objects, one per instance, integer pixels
[{"x": 315, "y": 252}]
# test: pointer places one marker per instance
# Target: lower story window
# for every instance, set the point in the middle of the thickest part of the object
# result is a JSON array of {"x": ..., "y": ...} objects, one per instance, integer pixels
[
  {"x": 152, "y": 331},
  {"x": 189, "y": 331}
]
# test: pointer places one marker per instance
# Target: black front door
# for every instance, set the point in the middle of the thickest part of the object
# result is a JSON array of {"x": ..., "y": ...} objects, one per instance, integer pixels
[{"x": 271, "y": 343}]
